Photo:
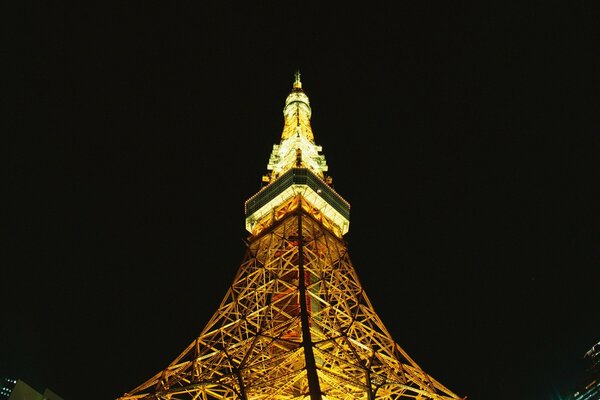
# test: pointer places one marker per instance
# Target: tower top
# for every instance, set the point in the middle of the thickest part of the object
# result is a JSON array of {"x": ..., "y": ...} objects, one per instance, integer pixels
[
  {"x": 296, "y": 165},
  {"x": 297, "y": 113},
  {"x": 297, "y": 82},
  {"x": 297, "y": 147}
]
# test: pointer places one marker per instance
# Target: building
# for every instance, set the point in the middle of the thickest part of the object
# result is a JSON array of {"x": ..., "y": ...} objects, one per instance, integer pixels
[
  {"x": 296, "y": 322},
  {"x": 590, "y": 389},
  {"x": 16, "y": 389},
  {"x": 6, "y": 387}
]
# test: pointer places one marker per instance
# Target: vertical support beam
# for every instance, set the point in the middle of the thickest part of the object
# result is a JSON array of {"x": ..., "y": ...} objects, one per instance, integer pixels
[
  {"x": 314, "y": 387},
  {"x": 370, "y": 394},
  {"x": 242, "y": 393}
]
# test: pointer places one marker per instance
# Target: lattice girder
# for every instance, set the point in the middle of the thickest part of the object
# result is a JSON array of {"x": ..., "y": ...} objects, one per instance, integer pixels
[{"x": 254, "y": 347}]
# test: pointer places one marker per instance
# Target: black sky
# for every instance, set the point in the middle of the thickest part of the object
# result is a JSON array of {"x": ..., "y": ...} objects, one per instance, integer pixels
[{"x": 465, "y": 137}]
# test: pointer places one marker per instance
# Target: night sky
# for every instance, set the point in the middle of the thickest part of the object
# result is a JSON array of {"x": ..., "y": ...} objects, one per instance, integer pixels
[{"x": 464, "y": 135}]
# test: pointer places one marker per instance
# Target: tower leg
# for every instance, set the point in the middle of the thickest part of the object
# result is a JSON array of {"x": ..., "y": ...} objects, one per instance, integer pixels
[{"x": 311, "y": 367}]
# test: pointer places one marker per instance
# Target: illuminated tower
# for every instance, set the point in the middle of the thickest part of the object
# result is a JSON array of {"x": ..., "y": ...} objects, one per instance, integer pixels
[{"x": 296, "y": 322}]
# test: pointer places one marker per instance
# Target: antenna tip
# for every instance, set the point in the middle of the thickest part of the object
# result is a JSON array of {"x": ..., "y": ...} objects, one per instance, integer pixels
[{"x": 297, "y": 83}]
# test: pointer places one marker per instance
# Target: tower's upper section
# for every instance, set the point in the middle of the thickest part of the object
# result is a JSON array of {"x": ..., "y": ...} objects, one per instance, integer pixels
[
  {"x": 297, "y": 112},
  {"x": 297, "y": 147},
  {"x": 296, "y": 168}
]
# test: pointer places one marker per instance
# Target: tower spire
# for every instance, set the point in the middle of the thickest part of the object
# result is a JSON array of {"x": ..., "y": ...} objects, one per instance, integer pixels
[
  {"x": 297, "y": 83},
  {"x": 297, "y": 145}
]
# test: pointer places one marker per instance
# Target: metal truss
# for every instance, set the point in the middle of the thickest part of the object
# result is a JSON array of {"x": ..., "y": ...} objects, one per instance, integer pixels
[{"x": 295, "y": 324}]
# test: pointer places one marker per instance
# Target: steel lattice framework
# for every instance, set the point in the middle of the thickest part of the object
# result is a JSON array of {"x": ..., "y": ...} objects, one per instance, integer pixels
[{"x": 296, "y": 322}]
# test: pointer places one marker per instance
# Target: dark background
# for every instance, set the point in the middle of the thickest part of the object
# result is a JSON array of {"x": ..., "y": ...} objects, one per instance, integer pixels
[{"x": 464, "y": 135}]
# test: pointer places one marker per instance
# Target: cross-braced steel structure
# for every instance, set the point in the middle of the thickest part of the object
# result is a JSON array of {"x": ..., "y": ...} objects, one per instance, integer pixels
[{"x": 296, "y": 322}]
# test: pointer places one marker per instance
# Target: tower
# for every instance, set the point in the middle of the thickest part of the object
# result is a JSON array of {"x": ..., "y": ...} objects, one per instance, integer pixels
[{"x": 296, "y": 322}]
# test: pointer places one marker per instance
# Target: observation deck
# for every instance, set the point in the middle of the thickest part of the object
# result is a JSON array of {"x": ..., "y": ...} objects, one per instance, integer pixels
[{"x": 298, "y": 181}]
